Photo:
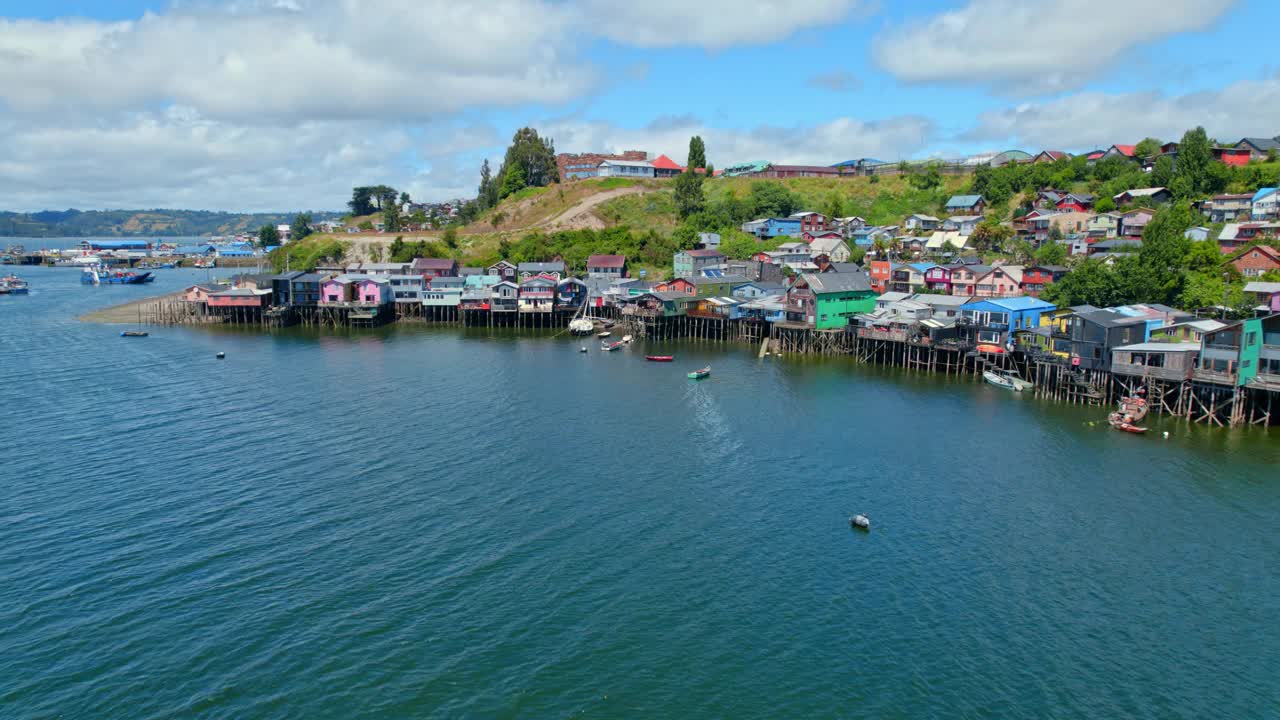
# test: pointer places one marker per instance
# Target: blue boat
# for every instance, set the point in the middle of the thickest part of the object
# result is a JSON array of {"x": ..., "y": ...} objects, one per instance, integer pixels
[{"x": 93, "y": 276}]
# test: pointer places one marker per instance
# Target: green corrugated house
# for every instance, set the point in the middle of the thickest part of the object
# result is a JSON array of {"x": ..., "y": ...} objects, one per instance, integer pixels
[
  {"x": 827, "y": 300},
  {"x": 1231, "y": 354}
]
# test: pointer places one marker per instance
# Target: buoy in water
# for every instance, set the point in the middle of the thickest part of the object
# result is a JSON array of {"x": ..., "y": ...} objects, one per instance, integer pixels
[
  {"x": 1166, "y": 434},
  {"x": 860, "y": 522},
  {"x": 221, "y": 355},
  {"x": 583, "y": 349}
]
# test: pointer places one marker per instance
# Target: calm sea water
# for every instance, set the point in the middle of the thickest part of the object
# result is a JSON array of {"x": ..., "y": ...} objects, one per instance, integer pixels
[{"x": 421, "y": 522}]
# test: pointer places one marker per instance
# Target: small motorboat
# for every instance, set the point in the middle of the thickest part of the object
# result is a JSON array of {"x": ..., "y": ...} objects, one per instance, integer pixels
[
  {"x": 134, "y": 333},
  {"x": 1122, "y": 422},
  {"x": 626, "y": 339},
  {"x": 606, "y": 333},
  {"x": 999, "y": 380},
  {"x": 700, "y": 374},
  {"x": 610, "y": 347},
  {"x": 660, "y": 358},
  {"x": 860, "y": 522},
  {"x": 13, "y": 284},
  {"x": 582, "y": 349},
  {"x": 221, "y": 356}
]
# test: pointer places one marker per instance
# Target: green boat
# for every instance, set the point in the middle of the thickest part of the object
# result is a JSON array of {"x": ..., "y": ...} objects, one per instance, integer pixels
[{"x": 699, "y": 374}]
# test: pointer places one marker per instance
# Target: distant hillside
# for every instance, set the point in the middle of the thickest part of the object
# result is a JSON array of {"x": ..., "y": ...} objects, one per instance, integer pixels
[{"x": 139, "y": 223}]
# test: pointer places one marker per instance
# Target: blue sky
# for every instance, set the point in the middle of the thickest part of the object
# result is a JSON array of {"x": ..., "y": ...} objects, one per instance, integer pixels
[{"x": 285, "y": 104}]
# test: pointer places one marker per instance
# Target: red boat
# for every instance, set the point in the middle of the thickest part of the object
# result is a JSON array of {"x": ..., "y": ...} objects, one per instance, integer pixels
[
  {"x": 659, "y": 358},
  {"x": 1121, "y": 422}
]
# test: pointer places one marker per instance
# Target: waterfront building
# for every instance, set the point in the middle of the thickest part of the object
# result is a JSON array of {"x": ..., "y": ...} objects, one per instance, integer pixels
[
  {"x": 570, "y": 294},
  {"x": 657, "y": 304},
  {"x": 434, "y": 267},
  {"x": 505, "y": 297},
  {"x": 1172, "y": 361},
  {"x": 827, "y": 301},
  {"x": 1192, "y": 331},
  {"x": 199, "y": 294},
  {"x": 407, "y": 288},
  {"x": 1233, "y": 354},
  {"x": 1095, "y": 333},
  {"x": 537, "y": 293},
  {"x": 607, "y": 266},
  {"x": 355, "y": 290},
  {"x": 554, "y": 269},
  {"x": 237, "y": 299},
  {"x": 304, "y": 290},
  {"x": 443, "y": 295},
  {"x": 993, "y": 321}
]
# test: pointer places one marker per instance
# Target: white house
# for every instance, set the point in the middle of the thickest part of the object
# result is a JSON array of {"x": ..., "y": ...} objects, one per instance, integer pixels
[
  {"x": 834, "y": 248},
  {"x": 626, "y": 168},
  {"x": 921, "y": 222}
]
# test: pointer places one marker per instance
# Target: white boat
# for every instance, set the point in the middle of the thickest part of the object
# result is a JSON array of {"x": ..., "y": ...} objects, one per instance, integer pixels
[
  {"x": 606, "y": 333},
  {"x": 1000, "y": 380},
  {"x": 581, "y": 326},
  {"x": 626, "y": 338}
]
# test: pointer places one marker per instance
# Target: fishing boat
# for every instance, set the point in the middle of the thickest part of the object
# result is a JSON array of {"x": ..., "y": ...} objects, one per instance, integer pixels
[
  {"x": 999, "y": 380},
  {"x": 1129, "y": 414},
  {"x": 133, "y": 333},
  {"x": 95, "y": 276},
  {"x": 13, "y": 284},
  {"x": 699, "y": 374},
  {"x": 660, "y": 358},
  {"x": 610, "y": 347}
]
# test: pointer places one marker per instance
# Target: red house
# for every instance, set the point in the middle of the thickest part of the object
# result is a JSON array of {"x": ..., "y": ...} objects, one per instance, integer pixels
[
  {"x": 810, "y": 235},
  {"x": 1079, "y": 202},
  {"x": 679, "y": 285},
  {"x": 881, "y": 272},
  {"x": 666, "y": 167},
  {"x": 1255, "y": 261},
  {"x": 1036, "y": 277},
  {"x": 811, "y": 221}
]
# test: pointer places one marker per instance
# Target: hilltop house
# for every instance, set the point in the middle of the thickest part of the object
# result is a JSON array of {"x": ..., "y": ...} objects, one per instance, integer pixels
[
  {"x": 831, "y": 245},
  {"x": 1259, "y": 147},
  {"x": 1225, "y": 208},
  {"x": 924, "y": 223},
  {"x": 1256, "y": 261},
  {"x": 963, "y": 224},
  {"x": 626, "y": 169},
  {"x": 1150, "y": 196},
  {"x": 1267, "y": 293},
  {"x": 1265, "y": 204},
  {"x": 688, "y": 263},
  {"x": 665, "y": 167},
  {"x": 967, "y": 204},
  {"x": 811, "y": 221}
]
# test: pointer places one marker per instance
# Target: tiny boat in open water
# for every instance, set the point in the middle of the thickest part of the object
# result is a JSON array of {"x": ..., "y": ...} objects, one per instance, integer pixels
[
  {"x": 583, "y": 349},
  {"x": 860, "y": 522},
  {"x": 134, "y": 333},
  {"x": 659, "y": 358},
  {"x": 699, "y": 374},
  {"x": 13, "y": 284},
  {"x": 999, "y": 380}
]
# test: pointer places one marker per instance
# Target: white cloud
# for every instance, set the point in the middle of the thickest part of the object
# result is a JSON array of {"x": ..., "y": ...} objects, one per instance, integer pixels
[
  {"x": 1094, "y": 119},
  {"x": 1019, "y": 47},
  {"x": 307, "y": 59},
  {"x": 820, "y": 144},
  {"x": 710, "y": 23},
  {"x": 178, "y": 158}
]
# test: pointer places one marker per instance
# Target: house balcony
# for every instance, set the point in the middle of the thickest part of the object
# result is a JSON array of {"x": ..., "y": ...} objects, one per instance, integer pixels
[
  {"x": 709, "y": 314},
  {"x": 1215, "y": 377},
  {"x": 1266, "y": 381},
  {"x": 1148, "y": 371}
]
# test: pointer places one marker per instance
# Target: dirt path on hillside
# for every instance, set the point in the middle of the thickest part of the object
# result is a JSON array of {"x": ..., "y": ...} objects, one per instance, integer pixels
[{"x": 580, "y": 217}]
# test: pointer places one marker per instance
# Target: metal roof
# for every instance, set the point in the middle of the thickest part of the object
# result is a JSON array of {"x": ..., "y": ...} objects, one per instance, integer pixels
[
  {"x": 837, "y": 282},
  {"x": 1161, "y": 347}
]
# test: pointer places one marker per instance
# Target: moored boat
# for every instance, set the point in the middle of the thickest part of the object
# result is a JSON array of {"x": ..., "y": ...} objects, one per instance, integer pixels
[
  {"x": 999, "y": 380},
  {"x": 700, "y": 373},
  {"x": 610, "y": 347},
  {"x": 134, "y": 333},
  {"x": 582, "y": 326},
  {"x": 660, "y": 358},
  {"x": 604, "y": 334},
  {"x": 95, "y": 276}
]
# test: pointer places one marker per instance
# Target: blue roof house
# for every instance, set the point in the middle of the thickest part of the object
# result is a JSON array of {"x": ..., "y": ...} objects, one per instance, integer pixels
[
  {"x": 995, "y": 319},
  {"x": 777, "y": 227}
]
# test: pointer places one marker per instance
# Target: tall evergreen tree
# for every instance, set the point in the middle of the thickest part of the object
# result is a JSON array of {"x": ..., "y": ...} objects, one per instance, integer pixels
[
  {"x": 1195, "y": 155},
  {"x": 300, "y": 227},
  {"x": 513, "y": 179},
  {"x": 697, "y": 153},
  {"x": 536, "y": 159},
  {"x": 688, "y": 193}
]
